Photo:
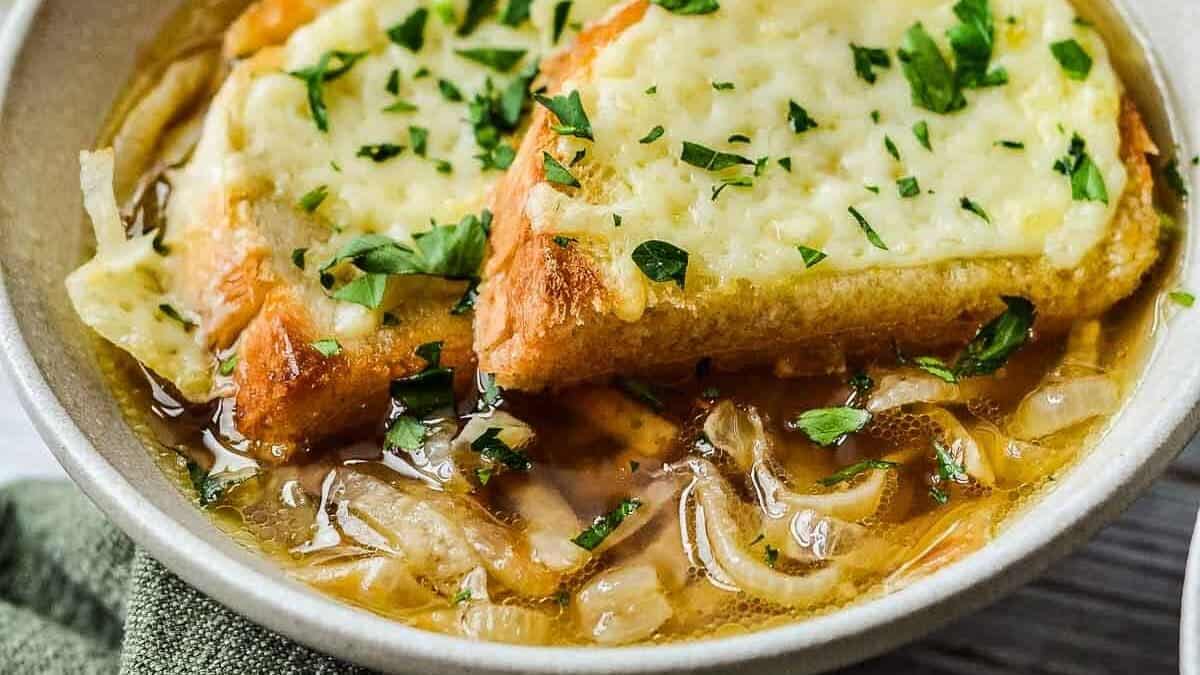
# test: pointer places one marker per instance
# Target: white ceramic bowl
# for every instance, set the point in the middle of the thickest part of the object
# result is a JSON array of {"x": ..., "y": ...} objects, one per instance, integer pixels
[{"x": 62, "y": 63}]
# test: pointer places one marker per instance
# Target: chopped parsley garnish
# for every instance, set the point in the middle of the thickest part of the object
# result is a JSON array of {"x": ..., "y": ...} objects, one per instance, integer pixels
[
  {"x": 738, "y": 138},
  {"x": 617, "y": 220},
  {"x": 933, "y": 84},
  {"x": 210, "y": 487},
  {"x": 972, "y": 42},
  {"x": 578, "y": 157},
  {"x": 516, "y": 12},
  {"x": 828, "y": 426},
  {"x": 723, "y": 86},
  {"x": 890, "y": 146},
  {"x": 653, "y": 135},
  {"x": 811, "y": 256},
  {"x": 739, "y": 181},
  {"x": 948, "y": 468},
  {"x": 661, "y": 262},
  {"x": 938, "y": 495},
  {"x": 561, "y": 11},
  {"x": 1174, "y": 178},
  {"x": 557, "y": 173},
  {"x": 462, "y": 596},
  {"x": 936, "y": 367},
  {"x": 712, "y": 160},
  {"x": 971, "y": 206},
  {"x": 443, "y": 166},
  {"x": 689, "y": 6},
  {"x": 771, "y": 556},
  {"x": 875, "y": 116},
  {"x": 491, "y": 395},
  {"x": 786, "y": 163},
  {"x": 1182, "y": 298},
  {"x": 227, "y": 366},
  {"x": 490, "y": 447},
  {"x": 874, "y": 189},
  {"x": 419, "y": 137},
  {"x": 393, "y": 82},
  {"x": 496, "y": 58},
  {"x": 405, "y": 433},
  {"x": 1073, "y": 59},
  {"x": 467, "y": 302},
  {"x": 854, "y": 470},
  {"x": 862, "y": 384},
  {"x": 1011, "y": 145},
  {"x": 381, "y": 152},
  {"x": 652, "y": 90},
  {"x": 872, "y": 235},
  {"x": 328, "y": 347},
  {"x": 401, "y": 107},
  {"x": 562, "y": 241},
  {"x": 298, "y": 257},
  {"x": 761, "y": 164},
  {"x": 866, "y": 59},
  {"x": 1087, "y": 183},
  {"x": 330, "y": 67},
  {"x": 477, "y": 10},
  {"x": 921, "y": 131},
  {"x": 367, "y": 290},
  {"x": 313, "y": 199},
  {"x": 998, "y": 340},
  {"x": 420, "y": 72},
  {"x": 603, "y": 526},
  {"x": 908, "y": 187},
  {"x": 799, "y": 118},
  {"x": 448, "y": 251},
  {"x": 449, "y": 91},
  {"x": 572, "y": 119},
  {"x": 428, "y": 391},
  {"x": 410, "y": 33},
  {"x": 174, "y": 315},
  {"x": 493, "y": 113}
]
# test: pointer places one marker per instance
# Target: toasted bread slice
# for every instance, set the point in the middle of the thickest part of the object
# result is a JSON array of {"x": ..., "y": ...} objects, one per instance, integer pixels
[
  {"x": 248, "y": 255},
  {"x": 553, "y": 311}
]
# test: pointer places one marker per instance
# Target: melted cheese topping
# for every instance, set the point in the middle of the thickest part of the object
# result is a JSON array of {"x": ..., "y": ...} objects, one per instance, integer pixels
[
  {"x": 774, "y": 52},
  {"x": 272, "y": 143}
]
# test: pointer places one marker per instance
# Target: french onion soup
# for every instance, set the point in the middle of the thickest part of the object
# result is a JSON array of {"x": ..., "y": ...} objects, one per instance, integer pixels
[{"x": 596, "y": 323}]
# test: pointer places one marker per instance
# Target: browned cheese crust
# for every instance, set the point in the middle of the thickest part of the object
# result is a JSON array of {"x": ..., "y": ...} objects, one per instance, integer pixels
[{"x": 544, "y": 316}]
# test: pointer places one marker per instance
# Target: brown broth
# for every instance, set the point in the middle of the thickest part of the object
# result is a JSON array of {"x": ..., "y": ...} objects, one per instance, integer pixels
[{"x": 585, "y": 461}]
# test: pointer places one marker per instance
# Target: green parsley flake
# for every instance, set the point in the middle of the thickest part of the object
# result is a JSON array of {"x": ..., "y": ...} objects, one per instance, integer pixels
[
  {"x": 572, "y": 118},
  {"x": 409, "y": 33},
  {"x": 891, "y": 148},
  {"x": 1182, "y": 298},
  {"x": 786, "y": 163},
  {"x": 689, "y": 6},
  {"x": 298, "y": 257},
  {"x": 1011, "y": 145},
  {"x": 854, "y": 470},
  {"x": 872, "y": 235},
  {"x": 1087, "y": 183},
  {"x": 933, "y": 84},
  {"x": 328, "y": 347},
  {"x": 712, "y": 160},
  {"x": 921, "y": 131},
  {"x": 449, "y": 91},
  {"x": 866, "y": 59},
  {"x": 811, "y": 256},
  {"x": 557, "y": 173},
  {"x": 228, "y": 366},
  {"x": 401, "y": 107},
  {"x": 661, "y": 261},
  {"x": 490, "y": 447},
  {"x": 313, "y": 199},
  {"x": 723, "y": 86},
  {"x": 393, "y": 82},
  {"x": 1174, "y": 178},
  {"x": 971, "y": 206},
  {"x": 331, "y": 66},
  {"x": 603, "y": 526},
  {"x": 799, "y": 118},
  {"x": 381, "y": 152},
  {"x": 992, "y": 346},
  {"x": 908, "y": 187},
  {"x": 419, "y": 137},
  {"x": 1073, "y": 59},
  {"x": 516, "y": 12},
  {"x": 174, "y": 315},
  {"x": 738, "y": 138},
  {"x": 496, "y": 58},
  {"x": 828, "y": 426},
  {"x": 654, "y": 134},
  {"x": 561, "y": 11}
]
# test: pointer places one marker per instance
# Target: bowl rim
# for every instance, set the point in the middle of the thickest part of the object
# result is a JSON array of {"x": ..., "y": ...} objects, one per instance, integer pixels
[{"x": 337, "y": 629}]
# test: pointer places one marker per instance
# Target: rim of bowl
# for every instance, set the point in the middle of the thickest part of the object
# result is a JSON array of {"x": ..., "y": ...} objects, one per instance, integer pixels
[{"x": 849, "y": 634}]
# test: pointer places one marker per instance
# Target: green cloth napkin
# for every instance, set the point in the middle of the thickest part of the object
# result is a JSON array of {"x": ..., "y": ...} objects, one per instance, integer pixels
[{"x": 76, "y": 596}]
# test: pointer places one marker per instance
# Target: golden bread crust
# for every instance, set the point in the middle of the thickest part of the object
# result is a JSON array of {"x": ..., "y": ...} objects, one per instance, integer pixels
[{"x": 544, "y": 317}]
